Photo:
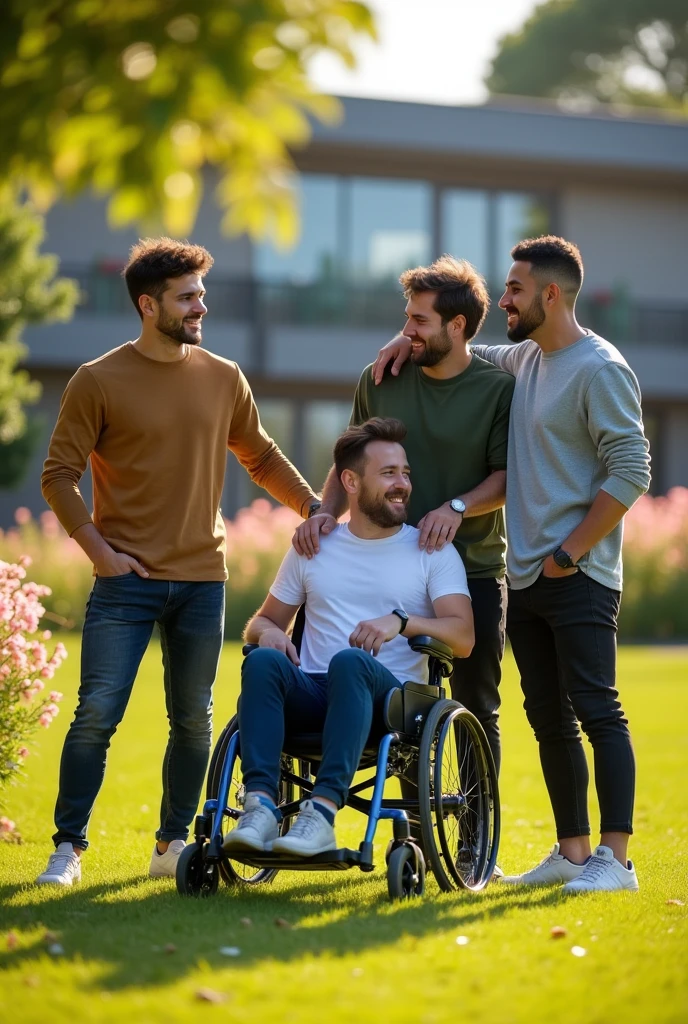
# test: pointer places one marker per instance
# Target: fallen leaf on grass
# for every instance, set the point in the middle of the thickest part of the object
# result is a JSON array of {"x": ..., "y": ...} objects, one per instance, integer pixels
[
  {"x": 169, "y": 948},
  {"x": 32, "y": 981},
  {"x": 50, "y": 936},
  {"x": 246, "y": 922},
  {"x": 12, "y": 940},
  {"x": 282, "y": 923},
  {"x": 209, "y": 995},
  {"x": 558, "y": 932},
  {"x": 675, "y": 903},
  {"x": 579, "y": 951}
]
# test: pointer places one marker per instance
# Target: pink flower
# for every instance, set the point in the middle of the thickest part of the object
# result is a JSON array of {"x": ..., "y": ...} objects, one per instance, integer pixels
[
  {"x": 45, "y": 719},
  {"x": 6, "y": 825},
  {"x": 46, "y": 634},
  {"x": 23, "y": 752},
  {"x": 48, "y": 672},
  {"x": 56, "y": 695},
  {"x": 22, "y": 516}
]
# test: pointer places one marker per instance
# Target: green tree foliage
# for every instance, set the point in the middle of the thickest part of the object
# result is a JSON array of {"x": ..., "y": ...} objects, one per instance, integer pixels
[
  {"x": 30, "y": 293},
  {"x": 134, "y": 97},
  {"x": 618, "y": 51}
]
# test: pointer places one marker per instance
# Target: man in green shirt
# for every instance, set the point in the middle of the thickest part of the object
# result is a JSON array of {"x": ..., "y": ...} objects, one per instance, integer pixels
[{"x": 455, "y": 406}]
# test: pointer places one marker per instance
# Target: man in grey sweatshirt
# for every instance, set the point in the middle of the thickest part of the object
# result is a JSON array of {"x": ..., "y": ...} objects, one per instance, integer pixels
[{"x": 577, "y": 460}]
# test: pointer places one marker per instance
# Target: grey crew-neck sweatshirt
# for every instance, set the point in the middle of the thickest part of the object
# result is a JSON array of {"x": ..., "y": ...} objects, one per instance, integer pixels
[{"x": 575, "y": 428}]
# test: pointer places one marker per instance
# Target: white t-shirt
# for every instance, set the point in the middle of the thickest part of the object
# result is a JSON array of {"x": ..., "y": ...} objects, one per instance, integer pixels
[{"x": 351, "y": 580}]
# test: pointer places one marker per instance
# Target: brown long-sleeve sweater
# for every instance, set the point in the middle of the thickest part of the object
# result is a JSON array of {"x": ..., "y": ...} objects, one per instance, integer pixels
[{"x": 157, "y": 436}]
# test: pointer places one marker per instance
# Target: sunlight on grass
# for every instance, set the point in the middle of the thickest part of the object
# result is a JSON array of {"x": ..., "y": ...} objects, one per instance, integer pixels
[{"x": 346, "y": 953}]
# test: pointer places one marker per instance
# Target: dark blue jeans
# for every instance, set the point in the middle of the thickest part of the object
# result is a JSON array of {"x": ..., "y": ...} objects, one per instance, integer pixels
[
  {"x": 277, "y": 698},
  {"x": 120, "y": 616},
  {"x": 563, "y": 635}
]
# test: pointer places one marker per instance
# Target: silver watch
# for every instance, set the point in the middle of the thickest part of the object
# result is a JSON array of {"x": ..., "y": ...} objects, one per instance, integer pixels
[{"x": 458, "y": 505}]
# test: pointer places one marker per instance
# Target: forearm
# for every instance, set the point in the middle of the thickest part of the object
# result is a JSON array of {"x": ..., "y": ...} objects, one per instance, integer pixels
[
  {"x": 487, "y": 496},
  {"x": 256, "y": 626},
  {"x": 334, "y": 499},
  {"x": 453, "y": 630},
  {"x": 92, "y": 543},
  {"x": 273, "y": 471},
  {"x": 603, "y": 515}
]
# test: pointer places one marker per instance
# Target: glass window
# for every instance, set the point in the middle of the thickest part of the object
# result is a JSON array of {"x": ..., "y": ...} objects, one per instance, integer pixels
[
  {"x": 324, "y": 422},
  {"x": 315, "y": 255},
  {"x": 465, "y": 226},
  {"x": 518, "y": 215},
  {"x": 389, "y": 227}
]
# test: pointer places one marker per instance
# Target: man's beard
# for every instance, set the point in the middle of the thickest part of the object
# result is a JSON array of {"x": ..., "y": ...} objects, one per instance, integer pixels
[
  {"x": 176, "y": 330},
  {"x": 377, "y": 509},
  {"x": 436, "y": 349},
  {"x": 527, "y": 322}
]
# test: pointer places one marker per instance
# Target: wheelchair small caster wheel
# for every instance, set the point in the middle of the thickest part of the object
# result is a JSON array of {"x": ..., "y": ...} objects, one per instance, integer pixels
[
  {"x": 195, "y": 876},
  {"x": 405, "y": 872}
]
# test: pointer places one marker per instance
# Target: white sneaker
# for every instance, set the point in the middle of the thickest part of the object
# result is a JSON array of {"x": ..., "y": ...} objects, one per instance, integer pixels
[
  {"x": 256, "y": 828},
  {"x": 164, "y": 865},
  {"x": 553, "y": 870},
  {"x": 603, "y": 872},
  {"x": 64, "y": 867},
  {"x": 311, "y": 833}
]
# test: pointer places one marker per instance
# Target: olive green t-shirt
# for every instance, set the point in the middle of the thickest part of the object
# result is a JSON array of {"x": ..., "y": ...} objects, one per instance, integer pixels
[{"x": 457, "y": 435}]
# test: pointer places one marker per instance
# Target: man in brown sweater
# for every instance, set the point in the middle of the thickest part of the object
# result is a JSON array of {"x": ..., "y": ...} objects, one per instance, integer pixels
[{"x": 155, "y": 417}]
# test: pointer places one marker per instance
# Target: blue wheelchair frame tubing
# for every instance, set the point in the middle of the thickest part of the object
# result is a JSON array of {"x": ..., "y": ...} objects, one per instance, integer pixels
[
  {"x": 218, "y": 806},
  {"x": 377, "y": 811}
]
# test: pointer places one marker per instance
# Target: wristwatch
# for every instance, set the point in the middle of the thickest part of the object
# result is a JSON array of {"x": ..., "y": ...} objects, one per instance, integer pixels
[
  {"x": 403, "y": 616},
  {"x": 458, "y": 505},
  {"x": 314, "y": 509},
  {"x": 563, "y": 559}
]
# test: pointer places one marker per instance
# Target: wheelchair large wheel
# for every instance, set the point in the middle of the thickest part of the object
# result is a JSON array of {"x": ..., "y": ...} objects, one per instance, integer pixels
[
  {"x": 458, "y": 798},
  {"x": 233, "y": 872}
]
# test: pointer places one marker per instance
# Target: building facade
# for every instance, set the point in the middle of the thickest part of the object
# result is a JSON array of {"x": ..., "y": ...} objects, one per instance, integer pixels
[{"x": 394, "y": 185}]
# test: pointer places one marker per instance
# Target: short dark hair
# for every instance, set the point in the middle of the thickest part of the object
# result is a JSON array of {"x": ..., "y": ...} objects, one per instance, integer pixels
[
  {"x": 461, "y": 290},
  {"x": 153, "y": 261},
  {"x": 552, "y": 259},
  {"x": 350, "y": 449}
]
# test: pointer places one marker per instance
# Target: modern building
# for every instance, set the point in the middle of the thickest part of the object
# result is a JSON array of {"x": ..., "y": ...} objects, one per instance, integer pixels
[{"x": 394, "y": 185}]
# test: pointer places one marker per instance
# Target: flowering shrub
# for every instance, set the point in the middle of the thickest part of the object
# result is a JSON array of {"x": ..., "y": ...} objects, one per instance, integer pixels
[
  {"x": 655, "y": 599},
  {"x": 25, "y": 668},
  {"x": 654, "y": 606}
]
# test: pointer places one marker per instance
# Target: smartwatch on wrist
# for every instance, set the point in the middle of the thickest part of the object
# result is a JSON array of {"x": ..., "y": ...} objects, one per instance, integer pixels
[
  {"x": 563, "y": 559},
  {"x": 314, "y": 509},
  {"x": 458, "y": 505},
  {"x": 403, "y": 616}
]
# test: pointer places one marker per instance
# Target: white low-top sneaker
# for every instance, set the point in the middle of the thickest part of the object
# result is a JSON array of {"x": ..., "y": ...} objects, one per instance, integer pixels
[
  {"x": 64, "y": 867},
  {"x": 256, "y": 829},
  {"x": 164, "y": 865},
  {"x": 311, "y": 833},
  {"x": 604, "y": 873},
  {"x": 553, "y": 870}
]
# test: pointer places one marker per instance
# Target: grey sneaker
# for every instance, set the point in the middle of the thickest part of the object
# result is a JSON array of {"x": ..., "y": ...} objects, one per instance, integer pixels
[
  {"x": 553, "y": 870},
  {"x": 64, "y": 867},
  {"x": 311, "y": 833},
  {"x": 604, "y": 873},
  {"x": 256, "y": 829},
  {"x": 164, "y": 865}
]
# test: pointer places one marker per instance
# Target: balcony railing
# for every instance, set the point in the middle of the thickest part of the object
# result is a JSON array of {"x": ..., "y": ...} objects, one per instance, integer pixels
[{"x": 337, "y": 303}]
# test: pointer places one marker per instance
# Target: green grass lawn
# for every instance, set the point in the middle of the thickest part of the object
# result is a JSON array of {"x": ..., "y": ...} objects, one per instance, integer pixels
[{"x": 349, "y": 954}]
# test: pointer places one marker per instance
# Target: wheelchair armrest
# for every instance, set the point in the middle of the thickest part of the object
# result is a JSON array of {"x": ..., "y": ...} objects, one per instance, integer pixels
[
  {"x": 247, "y": 648},
  {"x": 434, "y": 649}
]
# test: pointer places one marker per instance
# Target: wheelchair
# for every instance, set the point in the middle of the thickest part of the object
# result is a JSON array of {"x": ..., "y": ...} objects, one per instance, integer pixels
[{"x": 431, "y": 741}]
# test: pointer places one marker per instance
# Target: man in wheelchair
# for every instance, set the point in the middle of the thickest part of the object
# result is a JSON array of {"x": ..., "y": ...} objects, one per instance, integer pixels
[{"x": 369, "y": 585}]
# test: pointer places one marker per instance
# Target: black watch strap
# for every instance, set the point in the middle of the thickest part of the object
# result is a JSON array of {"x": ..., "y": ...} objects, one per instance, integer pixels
[
  {"x": 403, "y": 616},
  {"x": 314, "y": 509}
]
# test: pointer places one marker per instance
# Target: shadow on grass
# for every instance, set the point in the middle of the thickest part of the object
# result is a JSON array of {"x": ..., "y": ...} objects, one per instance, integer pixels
[{"x": 124, "y": 927}]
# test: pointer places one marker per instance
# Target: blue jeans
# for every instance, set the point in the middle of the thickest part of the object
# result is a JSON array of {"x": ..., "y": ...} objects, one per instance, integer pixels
[
  {"x": 120, "y": 616},
  {"x": 278, "y": 698}
]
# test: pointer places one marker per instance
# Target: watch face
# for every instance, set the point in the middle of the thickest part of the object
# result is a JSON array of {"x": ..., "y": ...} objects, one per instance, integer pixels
[{"x": 458, "y": 505}]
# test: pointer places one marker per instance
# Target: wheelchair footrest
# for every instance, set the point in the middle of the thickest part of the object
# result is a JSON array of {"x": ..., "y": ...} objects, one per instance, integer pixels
[{"x": 331, "y": 860}]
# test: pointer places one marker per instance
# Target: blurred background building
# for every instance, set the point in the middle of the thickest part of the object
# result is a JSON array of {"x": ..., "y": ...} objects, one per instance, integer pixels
[{"x": 394, "y": 185}]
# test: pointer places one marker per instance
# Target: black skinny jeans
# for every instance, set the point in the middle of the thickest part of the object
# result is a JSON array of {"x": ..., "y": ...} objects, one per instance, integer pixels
[{"x": 563, "y": 634}]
